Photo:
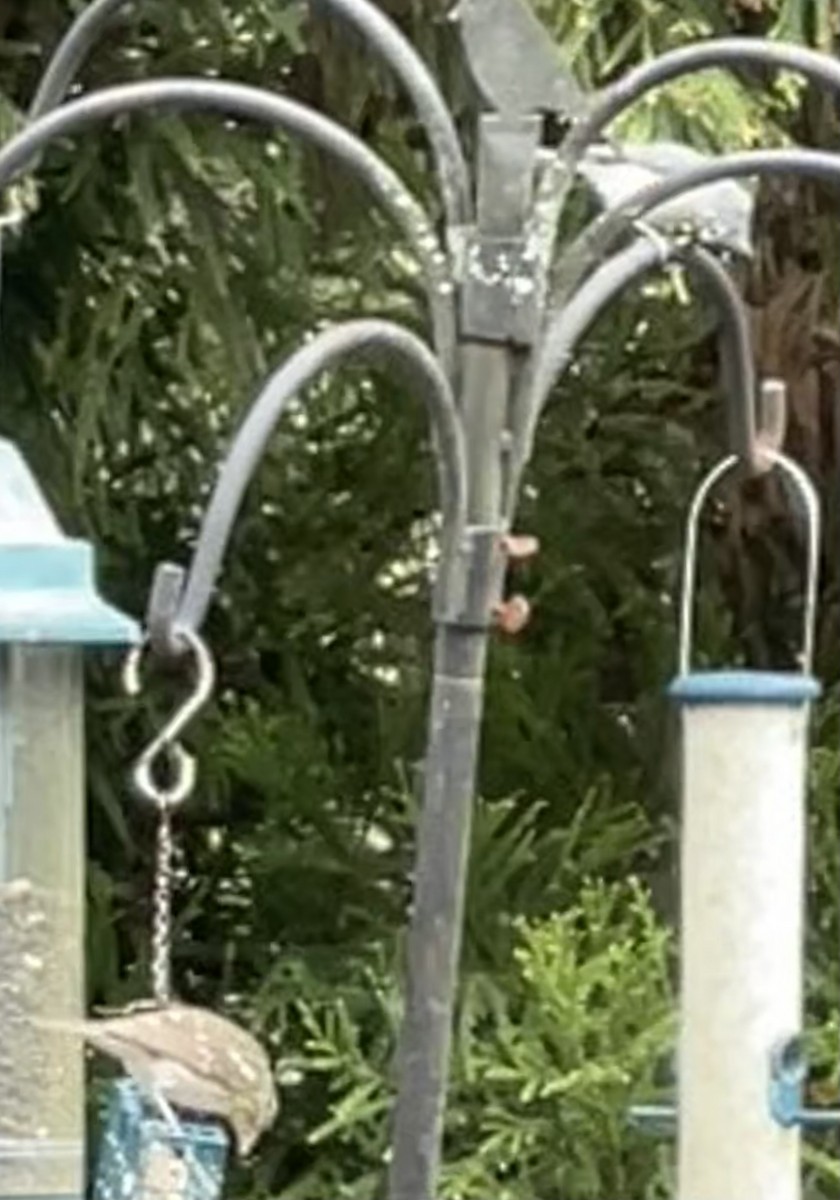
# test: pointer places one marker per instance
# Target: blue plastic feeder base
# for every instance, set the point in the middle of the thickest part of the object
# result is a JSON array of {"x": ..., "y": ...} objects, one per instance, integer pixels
[{"x": 141, "y": 1158}]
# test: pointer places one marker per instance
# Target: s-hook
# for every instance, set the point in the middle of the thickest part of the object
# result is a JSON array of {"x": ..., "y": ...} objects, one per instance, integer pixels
[
  {"x": 181, "y": 764},
  {"x": 181, "y": 767}
]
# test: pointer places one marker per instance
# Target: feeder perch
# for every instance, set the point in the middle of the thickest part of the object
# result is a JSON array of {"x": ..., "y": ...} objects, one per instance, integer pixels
[
  {"x": 49, "y": 612},
  {"x": 788, "y": 1071}
]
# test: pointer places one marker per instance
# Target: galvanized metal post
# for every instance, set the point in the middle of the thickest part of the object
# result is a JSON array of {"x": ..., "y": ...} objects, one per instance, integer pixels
[{"x": 495, "y": 325}]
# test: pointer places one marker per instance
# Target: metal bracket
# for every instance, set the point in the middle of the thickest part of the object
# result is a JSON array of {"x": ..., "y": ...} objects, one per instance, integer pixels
[
  {"x": 500, "y": 293},
  {"x": 788, "y": 1069},
  {"x": 660, "y": 1120},
  {"x": 162, "y": 609},
  {"x": 501, "y": 290},
  {"x": 772, "y": 417},
  {"x": 467, "y": 592}
]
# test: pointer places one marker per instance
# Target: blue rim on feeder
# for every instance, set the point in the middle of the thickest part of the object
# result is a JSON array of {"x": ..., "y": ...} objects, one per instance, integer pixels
[{"x": 49, "y": 612}]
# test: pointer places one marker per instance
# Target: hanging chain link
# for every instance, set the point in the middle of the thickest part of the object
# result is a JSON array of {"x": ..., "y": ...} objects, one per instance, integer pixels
[
  {"x": 181, "y": 774},
  {"x": 162, "y": 909}
]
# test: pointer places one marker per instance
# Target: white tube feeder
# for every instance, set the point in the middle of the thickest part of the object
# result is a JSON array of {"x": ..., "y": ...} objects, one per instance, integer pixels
[
  {"x": 744, "y": 763},
  {"x": 49, "y": 611}
]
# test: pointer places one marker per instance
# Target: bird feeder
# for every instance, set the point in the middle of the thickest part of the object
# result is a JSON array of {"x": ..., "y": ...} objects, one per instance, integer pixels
[
  {"x": 744, "y": 762},
  {"x": 49, "y": 612}
]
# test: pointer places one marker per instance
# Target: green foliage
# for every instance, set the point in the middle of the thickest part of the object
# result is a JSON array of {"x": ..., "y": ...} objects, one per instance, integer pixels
[
  {"x": 552, "y": 1048},
  {"x": 552, "y": 1062},
  {"x": 823, "y": 972},
  {"x": 713, "y": 110}
]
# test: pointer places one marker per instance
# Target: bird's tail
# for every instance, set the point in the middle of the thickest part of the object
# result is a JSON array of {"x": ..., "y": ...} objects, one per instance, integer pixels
[
  {"x": 87, "y": 1031},
  {"x": 59, "y": 1025}
]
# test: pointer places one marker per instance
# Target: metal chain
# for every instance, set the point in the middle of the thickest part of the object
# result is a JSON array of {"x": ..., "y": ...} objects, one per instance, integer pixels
[
  {"x": 162, "y": 909},
  {"x": 166, "y": 798}
]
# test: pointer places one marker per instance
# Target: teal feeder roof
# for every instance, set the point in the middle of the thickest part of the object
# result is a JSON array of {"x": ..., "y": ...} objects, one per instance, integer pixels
[{"x": 47, "y": 585}]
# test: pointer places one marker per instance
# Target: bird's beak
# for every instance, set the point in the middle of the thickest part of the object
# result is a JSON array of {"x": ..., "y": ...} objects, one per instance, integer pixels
[
  {"x": 454, "y": 14},
  {"x": 245, "y": 1137}
]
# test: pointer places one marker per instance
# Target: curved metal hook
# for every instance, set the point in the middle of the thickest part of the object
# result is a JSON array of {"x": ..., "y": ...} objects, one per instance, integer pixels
[
  {"x": 69, "y": 55},
  {"x": 181, "y": 764},
  {"x": 601, "y": 235},
  {"x": 180, "y": 601},
  {"x": 178, "y": 95},
  {"x": 817, "y": 67},
  {"x": 752, "y": 434},
  {"x": 379, "y": 32}
]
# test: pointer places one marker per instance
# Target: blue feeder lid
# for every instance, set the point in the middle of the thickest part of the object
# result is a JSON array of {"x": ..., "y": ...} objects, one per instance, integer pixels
[
  {"x": 47, "y": 587},
  {"x": 744, "y": 687}
]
